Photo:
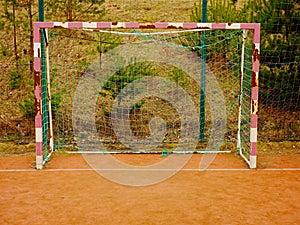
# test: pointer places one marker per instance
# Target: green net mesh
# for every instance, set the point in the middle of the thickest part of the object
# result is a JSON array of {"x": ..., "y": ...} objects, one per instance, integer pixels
[{"x": 139, "y": 90}]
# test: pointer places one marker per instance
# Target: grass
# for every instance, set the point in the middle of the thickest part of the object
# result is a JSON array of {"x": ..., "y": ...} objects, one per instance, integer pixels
[
  {"x": 285, "y": 147},
  {"x": 148, "y": 11},
  {"x": 8, "y": 148}
]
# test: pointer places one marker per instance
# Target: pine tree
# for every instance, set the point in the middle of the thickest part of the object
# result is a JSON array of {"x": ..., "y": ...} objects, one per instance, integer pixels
[{"x": 280, "y": 48}]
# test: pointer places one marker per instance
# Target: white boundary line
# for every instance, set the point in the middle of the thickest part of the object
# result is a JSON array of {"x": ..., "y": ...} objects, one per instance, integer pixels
[{"x": 146, "y": 169}]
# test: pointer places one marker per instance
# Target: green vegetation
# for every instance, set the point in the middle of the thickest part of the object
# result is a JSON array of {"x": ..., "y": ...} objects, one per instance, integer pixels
[
  {"x": 220, "y": 11},
  {"x": 16, "y": 55},
  {"x": 280, "y": 52},
  {"x": 279, "y": 57}
]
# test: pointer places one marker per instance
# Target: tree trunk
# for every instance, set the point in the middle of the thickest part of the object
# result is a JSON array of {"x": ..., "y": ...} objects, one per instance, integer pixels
[
  {"x": 70, "y": 10},
  {"x": 31, "y": 35},
  {"x": 15, "y": 37}
]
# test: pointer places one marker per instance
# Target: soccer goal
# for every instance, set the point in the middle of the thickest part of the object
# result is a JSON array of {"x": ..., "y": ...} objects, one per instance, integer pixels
[{"x": 129, "y": 87}]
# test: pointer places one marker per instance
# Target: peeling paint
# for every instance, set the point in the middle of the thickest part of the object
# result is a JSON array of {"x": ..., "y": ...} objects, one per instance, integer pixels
[{"x": 254, "y": 108}]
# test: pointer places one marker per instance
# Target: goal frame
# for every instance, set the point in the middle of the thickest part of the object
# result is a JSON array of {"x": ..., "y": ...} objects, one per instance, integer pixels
[{"x": 38, "y": 67}]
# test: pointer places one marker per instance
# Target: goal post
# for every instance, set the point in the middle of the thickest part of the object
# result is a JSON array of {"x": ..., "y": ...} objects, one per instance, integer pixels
[{"x": 129, "y": 87}]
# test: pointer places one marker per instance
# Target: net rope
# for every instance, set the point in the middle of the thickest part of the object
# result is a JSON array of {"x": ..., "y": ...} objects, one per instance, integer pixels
[{"x": 134, "y": 76}]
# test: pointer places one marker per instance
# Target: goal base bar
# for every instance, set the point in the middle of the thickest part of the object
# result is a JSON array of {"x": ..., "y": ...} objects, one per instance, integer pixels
[{"x": 149, "y": 152}]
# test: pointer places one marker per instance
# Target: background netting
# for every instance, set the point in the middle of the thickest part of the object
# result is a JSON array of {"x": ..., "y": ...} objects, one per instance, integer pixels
[{"x": 148, "y": 89}]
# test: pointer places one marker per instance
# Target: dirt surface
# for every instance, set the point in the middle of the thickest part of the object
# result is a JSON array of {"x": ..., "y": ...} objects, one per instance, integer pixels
[{"x": 67, "y": 191}]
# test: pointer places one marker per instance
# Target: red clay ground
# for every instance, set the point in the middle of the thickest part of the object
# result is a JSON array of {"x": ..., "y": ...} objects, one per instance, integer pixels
[{"x": 190, "y": 197}]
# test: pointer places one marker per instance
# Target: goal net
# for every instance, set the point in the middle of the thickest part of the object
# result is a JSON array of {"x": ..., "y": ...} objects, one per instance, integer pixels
[{"x": 146, "y": 88}]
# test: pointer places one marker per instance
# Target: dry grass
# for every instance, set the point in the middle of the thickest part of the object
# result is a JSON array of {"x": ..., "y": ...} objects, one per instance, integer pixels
[
  {"x": 151, "y": 11},
  {"x": 116, "y": 10},
  {"x": 148, "y": 11}
]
